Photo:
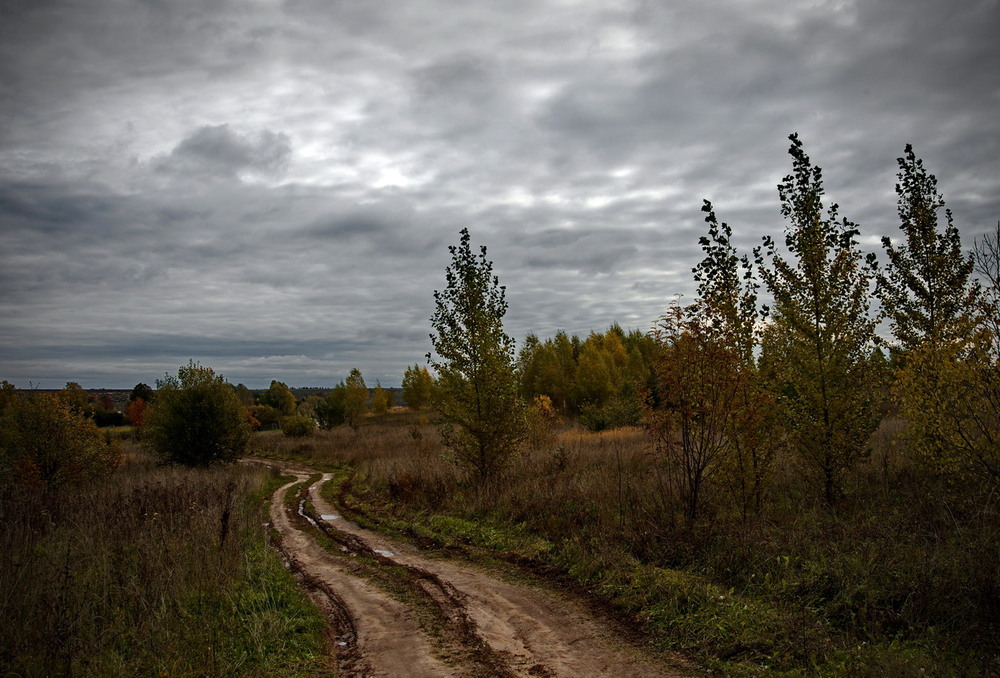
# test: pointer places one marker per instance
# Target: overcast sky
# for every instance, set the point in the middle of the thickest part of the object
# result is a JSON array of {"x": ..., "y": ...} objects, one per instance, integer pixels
[{"x": 270, "y": 187}]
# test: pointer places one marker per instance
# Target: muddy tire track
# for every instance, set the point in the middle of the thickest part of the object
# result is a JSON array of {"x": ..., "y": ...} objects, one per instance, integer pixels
[
  {"x": 373, "y": 634},
  {"x": 503, "y": 629},
  {"x": 460, "y": 634}
]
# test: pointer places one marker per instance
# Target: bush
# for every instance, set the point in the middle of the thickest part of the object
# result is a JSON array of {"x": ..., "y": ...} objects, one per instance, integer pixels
[
  {"x": 267, "y": 417},
  {"x": 298, "y": 426},
  {"x": 621, "y": 410},
  {"x": 197, "y": 419},
  {"x": 44, "y": 439},
  {"x": 103, "y": 418},
  {"x": 331, "y": 411},
  {"x": 541, "y": 420}
]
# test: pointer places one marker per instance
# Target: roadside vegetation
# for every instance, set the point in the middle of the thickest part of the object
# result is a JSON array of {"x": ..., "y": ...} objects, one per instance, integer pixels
[
  {"x": 900, "y": 580},
  {"x": 159, "y": 571}
]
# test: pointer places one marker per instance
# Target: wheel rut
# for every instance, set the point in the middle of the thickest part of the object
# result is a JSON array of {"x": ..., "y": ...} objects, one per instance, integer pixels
[
  {"x": 372, "y": 634},
  {"x": 443, "y": 617}
]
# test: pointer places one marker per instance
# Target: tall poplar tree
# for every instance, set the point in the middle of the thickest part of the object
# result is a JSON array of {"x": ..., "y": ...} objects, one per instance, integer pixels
[
  {"x": 482, "y": 415},
  {"x": 925, "y": 290},
  {"x": 818, "y": 346},
  {"x": 930, "y": 301}
]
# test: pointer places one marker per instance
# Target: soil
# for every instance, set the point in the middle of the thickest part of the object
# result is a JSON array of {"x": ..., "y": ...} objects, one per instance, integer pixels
[{"x": 445, "y": 617}]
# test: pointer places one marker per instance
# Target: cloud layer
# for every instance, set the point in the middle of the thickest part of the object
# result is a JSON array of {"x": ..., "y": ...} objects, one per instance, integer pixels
[{"x": 271, "y": 187}]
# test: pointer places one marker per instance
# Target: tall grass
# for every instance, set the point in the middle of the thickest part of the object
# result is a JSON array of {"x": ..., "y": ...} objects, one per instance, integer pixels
[
  {"x": 903, "y": 577},
  {"x": 154, "y": 571}
]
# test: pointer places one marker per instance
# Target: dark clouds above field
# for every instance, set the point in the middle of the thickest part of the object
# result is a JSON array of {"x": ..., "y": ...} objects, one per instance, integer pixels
[{"x": 270, "y": 187}]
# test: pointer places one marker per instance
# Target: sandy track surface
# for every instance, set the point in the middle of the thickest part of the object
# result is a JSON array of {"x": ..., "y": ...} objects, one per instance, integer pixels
[
  {"x": 459, "y": 620},
  {"x": 375, "y": 634}
]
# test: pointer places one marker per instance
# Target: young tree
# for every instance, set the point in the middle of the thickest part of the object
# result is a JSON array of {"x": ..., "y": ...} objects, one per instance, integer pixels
[
  {"x": 955, "y": 417},
  {"x": 417, "y": 387},
  {"x": 135, "y": 414},
  {"x": 482, "y": 415},
  {"x": 951, "y": 392},
  {"x": 197, "y": 419},
  {"x": 818, "y": 346},
  {"x": 699, "y": 379},
  {"x": 355, "y": 399},
  {"x": 727, "y": 313},
  {"x": 727, "y": 287},
  {"x": 927, "y": 294},
  {"x": 925, "y": 288}
]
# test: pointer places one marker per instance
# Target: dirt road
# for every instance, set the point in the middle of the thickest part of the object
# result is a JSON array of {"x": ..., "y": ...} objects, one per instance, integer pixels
[{"x": 396, "y": 612}]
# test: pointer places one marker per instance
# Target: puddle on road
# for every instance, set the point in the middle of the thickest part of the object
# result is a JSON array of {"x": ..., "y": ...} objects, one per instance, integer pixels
[
  {"x": 302, "y": 512},
  {"x": 330, "y": 516},
  {"x": 384, "y": 554}
]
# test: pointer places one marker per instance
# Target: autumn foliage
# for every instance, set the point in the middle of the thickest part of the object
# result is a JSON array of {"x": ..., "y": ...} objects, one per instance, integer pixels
[
  {"x": 135, "y": 413},
  {"x": 44, "y": 439}
]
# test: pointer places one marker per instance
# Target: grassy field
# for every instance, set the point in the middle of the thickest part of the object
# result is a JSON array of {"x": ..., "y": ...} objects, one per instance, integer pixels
[
  {"x": 155, "y": 572},
  {"x": 903, "y": 578},
  {"x": 168, "y": 571}
]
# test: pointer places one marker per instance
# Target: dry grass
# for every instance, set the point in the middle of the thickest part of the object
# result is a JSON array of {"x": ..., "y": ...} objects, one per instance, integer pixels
[
  {"x": 155, "y": 571},
  {"x": 903, "y": 576}
]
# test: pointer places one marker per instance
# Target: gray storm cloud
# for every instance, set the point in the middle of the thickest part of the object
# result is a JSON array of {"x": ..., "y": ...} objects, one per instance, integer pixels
[{"x": 271, "y": 188}]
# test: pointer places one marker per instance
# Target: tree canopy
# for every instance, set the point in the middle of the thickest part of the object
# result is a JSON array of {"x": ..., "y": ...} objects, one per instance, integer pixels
[
  {"x": 355, "y": 398},
  {"x": 417, "y": 386},
  {"x": 280, "y": 397}
]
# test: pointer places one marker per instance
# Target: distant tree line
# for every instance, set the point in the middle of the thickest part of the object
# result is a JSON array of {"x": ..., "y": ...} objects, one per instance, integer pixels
[{"x": 601, "y": 380}]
